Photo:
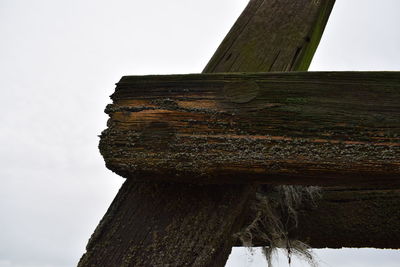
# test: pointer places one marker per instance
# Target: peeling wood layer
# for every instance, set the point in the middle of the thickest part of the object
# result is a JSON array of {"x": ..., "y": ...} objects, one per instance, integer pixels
[{"x": 322, "y": 128}]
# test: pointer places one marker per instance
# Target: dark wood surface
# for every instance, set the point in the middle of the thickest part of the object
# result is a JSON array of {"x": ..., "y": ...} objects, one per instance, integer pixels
[
  {"x": 310, "y": 128},
  {"x": 161, "y": 224},
  {"x": 151, "y": 240},
  {"x": 349, "y": 217}
]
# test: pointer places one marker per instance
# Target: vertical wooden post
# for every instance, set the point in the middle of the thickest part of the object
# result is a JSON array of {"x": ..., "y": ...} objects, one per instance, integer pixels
[{"x": 161, "y": 224}]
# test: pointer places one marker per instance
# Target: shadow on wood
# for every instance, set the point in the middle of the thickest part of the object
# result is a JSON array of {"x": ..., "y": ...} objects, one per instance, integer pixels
[{"x": 349, "y": 217}]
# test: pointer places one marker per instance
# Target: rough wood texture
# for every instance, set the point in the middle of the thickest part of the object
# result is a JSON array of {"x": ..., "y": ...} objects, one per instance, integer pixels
[
  {"x": 158, "y": 224},
  {"x": 316, "y": 128},
  {"x": 150, "y": 219},
  {"x": 346, "y": 217}
]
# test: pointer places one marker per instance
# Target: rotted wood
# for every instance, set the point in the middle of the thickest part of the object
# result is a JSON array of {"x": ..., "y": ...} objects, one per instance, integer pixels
[
  {"x": 349, "y": 217},
  {"x": 309, "y": 128},
  {"x": 143, "y": 225}
]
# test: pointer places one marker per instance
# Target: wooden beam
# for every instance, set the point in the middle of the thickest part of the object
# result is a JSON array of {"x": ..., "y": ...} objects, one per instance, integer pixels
[
  {"x": 164, "y": 224},
  {"x": 310, "y": 128},
  {"x": 273, "y": 35},
  {"x": 151, "y": 239},
  {"x": 349, "y": 217}
]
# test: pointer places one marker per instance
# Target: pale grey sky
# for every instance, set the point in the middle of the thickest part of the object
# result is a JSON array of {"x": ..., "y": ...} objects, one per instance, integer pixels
[{"x": 59, "y": 62}]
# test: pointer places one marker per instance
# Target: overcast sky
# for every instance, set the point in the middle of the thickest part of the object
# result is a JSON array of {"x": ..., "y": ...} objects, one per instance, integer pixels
[{"x": 59, "y": 60}]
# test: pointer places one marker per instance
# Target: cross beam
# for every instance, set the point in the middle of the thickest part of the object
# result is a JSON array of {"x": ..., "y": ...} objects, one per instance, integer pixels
[{"x": 309, "y": 128}]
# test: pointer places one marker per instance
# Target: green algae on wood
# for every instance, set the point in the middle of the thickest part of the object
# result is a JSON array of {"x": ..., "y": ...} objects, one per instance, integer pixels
[{"x": 272, "y": 36}]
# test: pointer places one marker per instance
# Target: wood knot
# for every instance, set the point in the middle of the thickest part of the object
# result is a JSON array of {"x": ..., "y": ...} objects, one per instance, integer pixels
[{"x": 241, "y": 92}]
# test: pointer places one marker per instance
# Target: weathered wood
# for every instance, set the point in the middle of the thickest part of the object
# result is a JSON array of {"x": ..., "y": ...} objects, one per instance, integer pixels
[
  {"x": 316, "y": 128},
  {"x": 345, "y": 217},
  {"x": 149, "y": 218},
  {"x": 159, "y": 224},
  {"x": 273, "y": 36}
]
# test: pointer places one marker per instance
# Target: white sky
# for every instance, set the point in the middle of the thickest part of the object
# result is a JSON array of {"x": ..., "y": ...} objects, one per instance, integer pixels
[{"x": 59, "y": 60}]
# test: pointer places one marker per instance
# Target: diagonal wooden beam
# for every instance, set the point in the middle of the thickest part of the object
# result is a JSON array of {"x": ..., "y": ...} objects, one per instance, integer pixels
[
  {"x": 159, "y": 224},
  {"x": 273, "y": 35}
]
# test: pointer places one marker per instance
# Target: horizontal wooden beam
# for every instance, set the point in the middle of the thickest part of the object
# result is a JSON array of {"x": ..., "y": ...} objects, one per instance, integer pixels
[
  {"x": 315, "y": 128},
  {"x": 346, "y": 217}
]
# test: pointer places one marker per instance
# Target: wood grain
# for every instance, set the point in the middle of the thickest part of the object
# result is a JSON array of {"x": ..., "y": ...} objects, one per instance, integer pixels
[
  {"x": 166, "y": 224},
  {"x": 273, "y": 36},
  {"x": 315, "y": 128}
]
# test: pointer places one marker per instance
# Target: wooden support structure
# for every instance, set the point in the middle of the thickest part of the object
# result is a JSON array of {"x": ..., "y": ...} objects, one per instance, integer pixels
[
  {"x": 153, "y": 223},
  {"x": 148, "y": 224},
  {"x": 309, "y": 128}
]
